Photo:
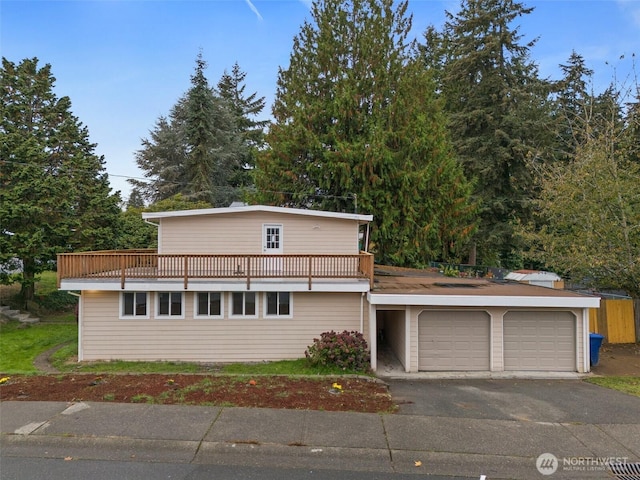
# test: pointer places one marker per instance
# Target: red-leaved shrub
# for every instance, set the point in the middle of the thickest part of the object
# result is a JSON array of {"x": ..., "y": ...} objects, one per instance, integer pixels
[{"x": 346, "y": 350}]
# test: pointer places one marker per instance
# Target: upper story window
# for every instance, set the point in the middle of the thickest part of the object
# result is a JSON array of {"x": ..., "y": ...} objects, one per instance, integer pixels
[
  {"x": 278, "y": 304},
  {"x": 243, "y": 304},
  {"x": 134, "y": 305},
  {"x": 169, "y": 304},
  {"x": 209, "y": 304}
]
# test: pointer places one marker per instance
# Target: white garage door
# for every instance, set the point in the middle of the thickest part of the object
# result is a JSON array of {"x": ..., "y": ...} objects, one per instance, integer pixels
[
  {"x": 544, "y": 341},
  {"x": 453, "y": 340}
]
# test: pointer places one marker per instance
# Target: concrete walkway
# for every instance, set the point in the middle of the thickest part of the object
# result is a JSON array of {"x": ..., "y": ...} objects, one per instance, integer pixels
[{"x": 459, "y": 447}]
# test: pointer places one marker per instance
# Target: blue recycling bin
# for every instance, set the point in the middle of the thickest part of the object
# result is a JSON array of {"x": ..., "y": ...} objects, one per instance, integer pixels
[{"x": 595, "y": 342}]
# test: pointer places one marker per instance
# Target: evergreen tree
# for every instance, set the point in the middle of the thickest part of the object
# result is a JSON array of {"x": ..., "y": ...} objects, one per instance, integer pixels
[
  {"x": 573, "y": 103},
  {"x": 54, "y": 192},
  {"x": 199, "y": 151},
  {"x": 357, "y": 128},
  {"x": 136, "y": 199},
  {"x": 498, "y": 115},
  {"x": 245, "y": 109}
]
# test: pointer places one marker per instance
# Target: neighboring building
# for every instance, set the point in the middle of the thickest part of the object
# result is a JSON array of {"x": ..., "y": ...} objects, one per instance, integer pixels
[
  {"x": 255, "y": 283},
  {"x": 536, "y": 277}
]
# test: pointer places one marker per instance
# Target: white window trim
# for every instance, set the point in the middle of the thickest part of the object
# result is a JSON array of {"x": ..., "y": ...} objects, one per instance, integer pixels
[
  {"x": 195, "y": 305},
  {"x": 231, "y": 314},
  {"x": 134, "y": 316},
  {"x": 264, "y": 306},
  {"x": 169, "y": 316}
]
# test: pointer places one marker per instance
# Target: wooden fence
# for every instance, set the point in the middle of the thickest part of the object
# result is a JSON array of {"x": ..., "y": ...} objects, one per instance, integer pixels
[{"x": 616, "y": 320}]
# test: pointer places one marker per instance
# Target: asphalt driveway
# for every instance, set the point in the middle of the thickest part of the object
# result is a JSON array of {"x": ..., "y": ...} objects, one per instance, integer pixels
[{"x": 555, "y": 401}]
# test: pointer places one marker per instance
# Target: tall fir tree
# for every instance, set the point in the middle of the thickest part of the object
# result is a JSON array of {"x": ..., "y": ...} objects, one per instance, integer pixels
[
  {"x": 498, "y": 115},
  {"x": 54, "y": 192},
  {"x": 201, "y": 150},
  {"x": 357, "y": 128},
  {"x": 245, "y": 109}
]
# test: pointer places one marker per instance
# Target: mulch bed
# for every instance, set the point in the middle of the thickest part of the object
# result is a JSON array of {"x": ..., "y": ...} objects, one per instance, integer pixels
[{"x": 331, "y": 394}]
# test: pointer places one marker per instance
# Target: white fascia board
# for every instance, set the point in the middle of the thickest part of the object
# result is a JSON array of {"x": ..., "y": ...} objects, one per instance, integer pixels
[
  {"x": 483, "y": 301},
  {"x": 257, "y": 208},
  {"x": 255, "y": 286}
]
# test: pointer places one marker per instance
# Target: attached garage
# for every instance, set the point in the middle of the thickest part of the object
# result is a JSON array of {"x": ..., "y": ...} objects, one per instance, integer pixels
[
  {"x": 453, "y": 340},
  {"x": 540, "y": 340},
  {"x": 479, "y": 325}
]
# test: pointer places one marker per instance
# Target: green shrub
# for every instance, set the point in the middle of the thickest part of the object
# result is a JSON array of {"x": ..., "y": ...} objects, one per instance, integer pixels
[
  {"x": 56, "y": 301},
  {"x": 346, "y": 350}
]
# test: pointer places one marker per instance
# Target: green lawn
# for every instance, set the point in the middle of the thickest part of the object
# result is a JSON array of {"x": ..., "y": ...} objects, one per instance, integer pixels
[
  {"x": 21, "y": 344},
  {"x": 630, "y": 385}
]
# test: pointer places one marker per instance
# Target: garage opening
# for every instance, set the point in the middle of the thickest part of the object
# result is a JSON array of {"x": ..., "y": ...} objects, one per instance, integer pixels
[
  {"x": 538, "y": 340},
  {"x": 391, "y": 339},
  {"x": 453, "y": 340}
]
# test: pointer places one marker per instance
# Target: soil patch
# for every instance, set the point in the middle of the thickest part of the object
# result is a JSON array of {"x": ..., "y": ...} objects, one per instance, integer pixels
[
  {"x": 621, "y": 359},
  {"x": 331, "y": 394}
]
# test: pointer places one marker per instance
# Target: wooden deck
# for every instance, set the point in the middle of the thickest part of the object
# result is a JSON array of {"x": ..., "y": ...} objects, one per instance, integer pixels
[{"x": 148, "y": 264}]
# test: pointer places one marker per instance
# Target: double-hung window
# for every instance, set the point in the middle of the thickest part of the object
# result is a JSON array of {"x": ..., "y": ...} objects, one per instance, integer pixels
[
  {"x": 169, "y": 304},
  {"x": 278, "y": 304},
  {"x": 209, "y": 304},
  {"x": 134, "y": 305},
  {"x": 243, "y": 304}
]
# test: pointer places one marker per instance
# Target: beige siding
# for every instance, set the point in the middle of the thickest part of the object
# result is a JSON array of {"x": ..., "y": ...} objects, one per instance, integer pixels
[
  {"x": 415, "y": 311},
  {"x": 497, "y": 329},
  {"x": 241, "y": 233},
  {"x": 106, "y": 336}
]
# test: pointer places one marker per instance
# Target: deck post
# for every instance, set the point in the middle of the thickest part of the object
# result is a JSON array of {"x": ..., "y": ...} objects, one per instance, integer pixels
[
  {"x": 186, "y": 271},
  {"x": 122, "y": 269},
  {"x": 248, "y": 273}
]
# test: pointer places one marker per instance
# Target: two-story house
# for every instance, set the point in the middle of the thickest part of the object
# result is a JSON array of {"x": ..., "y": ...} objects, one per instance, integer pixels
[{"x": 225, "y": 284}]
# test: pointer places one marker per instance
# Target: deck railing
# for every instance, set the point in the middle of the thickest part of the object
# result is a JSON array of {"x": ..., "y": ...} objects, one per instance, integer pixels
[{"x": 147, "y": 264}]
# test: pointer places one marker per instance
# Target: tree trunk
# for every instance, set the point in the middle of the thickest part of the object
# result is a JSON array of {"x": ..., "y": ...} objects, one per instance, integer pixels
[
  {"x": 28, "y": 282},
  {"x": 473, "y": 253}
]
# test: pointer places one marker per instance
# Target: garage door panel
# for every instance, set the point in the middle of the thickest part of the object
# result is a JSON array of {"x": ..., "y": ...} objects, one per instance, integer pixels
[
  {"x": 450, "y": 341},
  {"x": 543, "y": 341}
]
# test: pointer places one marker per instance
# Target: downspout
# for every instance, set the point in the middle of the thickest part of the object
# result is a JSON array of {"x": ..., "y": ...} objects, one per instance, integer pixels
[
  {"x": 362, "y": 313},
  {"x": 79, "y": 324},
  {"x": 366, "y": 237},
  {"x": 157, "y": 225}
]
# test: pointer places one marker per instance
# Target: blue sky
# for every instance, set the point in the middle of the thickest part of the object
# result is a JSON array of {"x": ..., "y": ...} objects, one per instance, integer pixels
[{"x": 124, "y": 63}]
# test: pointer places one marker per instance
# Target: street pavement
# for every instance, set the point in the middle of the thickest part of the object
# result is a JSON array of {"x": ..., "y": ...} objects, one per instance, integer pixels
[{"x": 461, "y": 429}]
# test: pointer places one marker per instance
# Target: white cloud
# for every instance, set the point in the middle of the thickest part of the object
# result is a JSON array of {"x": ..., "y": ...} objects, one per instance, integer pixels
[{"x": 254, "y": 9}]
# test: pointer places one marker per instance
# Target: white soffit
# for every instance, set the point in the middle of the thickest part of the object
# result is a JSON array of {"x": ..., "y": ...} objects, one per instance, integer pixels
[{"x": 484, "y": 301}]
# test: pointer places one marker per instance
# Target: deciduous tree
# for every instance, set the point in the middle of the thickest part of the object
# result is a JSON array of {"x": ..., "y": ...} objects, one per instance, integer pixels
[{"x": 590, "y": 205}]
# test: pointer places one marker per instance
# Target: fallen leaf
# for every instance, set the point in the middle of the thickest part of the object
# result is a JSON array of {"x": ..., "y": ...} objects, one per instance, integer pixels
[
  {"x": 66, "y": 459},
  {"x": 418, "y": 463}
]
